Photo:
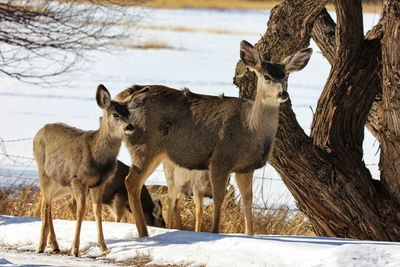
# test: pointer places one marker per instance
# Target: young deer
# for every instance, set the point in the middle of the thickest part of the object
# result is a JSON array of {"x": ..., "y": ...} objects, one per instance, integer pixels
[
  {"x": 71, "y": 160},
  {"x": 182, "y": 181},
  {"x": 221, "y": 134},
  {"x": 116, "y": 197}
]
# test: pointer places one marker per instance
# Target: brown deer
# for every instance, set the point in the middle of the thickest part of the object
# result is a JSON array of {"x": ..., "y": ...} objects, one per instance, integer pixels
[
  {"x": 71, "y": 160},
  {"x": 182, "y": 181},
  {"x": 221, "y": 134},
  {"x": 115, "y": 196}
]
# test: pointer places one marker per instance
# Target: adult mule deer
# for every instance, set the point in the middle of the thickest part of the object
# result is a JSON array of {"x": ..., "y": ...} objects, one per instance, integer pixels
[
  {"x": 71, "y": 160},
  {"x": 221, "y": 134}
]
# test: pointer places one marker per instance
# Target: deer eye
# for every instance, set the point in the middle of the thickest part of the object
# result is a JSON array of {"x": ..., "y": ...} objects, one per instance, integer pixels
[
  {"x": 115, "y": 115},
  {"x": 267, "y": 78}
]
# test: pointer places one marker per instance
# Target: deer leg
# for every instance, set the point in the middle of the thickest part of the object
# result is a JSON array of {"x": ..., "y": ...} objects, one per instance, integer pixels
[
  {"x": 219, "y": 178},
  {"x": 177, "y": 211},
  {"x": 171, "y": 206},
  {"x": 97, "y": 197},
  {"x": 123, "y": 217},
  {"x": 80, "y": 191},
  {"x": 172, "y": 194},
  {"x": 198, "y": 202},
  {"x": 72, "y": 206},
  {"x": 245, "y": 183},
  {"x": 52, "y": 234},
  {"x": 134, "y": 182},
  {"x": 45, "y": 207},
  {"x": 118, "y": 209}
]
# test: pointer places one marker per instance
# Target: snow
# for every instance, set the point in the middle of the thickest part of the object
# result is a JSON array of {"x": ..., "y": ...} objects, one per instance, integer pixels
[
  {"x": 166, "y": 246},
  {"x": 204, "y": 62}
]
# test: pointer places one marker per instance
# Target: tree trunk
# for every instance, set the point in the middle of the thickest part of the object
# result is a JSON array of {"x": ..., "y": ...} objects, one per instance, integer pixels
[{"x": 325, "y": 171}]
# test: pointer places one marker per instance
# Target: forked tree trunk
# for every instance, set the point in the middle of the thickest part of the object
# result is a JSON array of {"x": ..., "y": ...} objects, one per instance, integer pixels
[{"x": 325, "y": 171}]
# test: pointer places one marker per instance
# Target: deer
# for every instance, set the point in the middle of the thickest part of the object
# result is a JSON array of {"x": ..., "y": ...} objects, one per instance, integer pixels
[
  {"x": 220, "y": 134},
  {"x": 115, "y": 197},
  {"x": 72, "y": 161},
  {"x": 182, "y": 181}
]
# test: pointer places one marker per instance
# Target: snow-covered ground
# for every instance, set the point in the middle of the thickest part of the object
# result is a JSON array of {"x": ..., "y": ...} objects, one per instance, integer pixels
[
  {"x": 206, "y": 51},
  {"x": 196, "y": 249}
]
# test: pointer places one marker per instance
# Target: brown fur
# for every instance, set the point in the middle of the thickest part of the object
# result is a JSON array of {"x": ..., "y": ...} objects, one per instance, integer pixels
[
  {"x": 183, "y": 182},
  {"x": 203, "y": 132},
  {"x": 115, "y": 197},
  {"x": 71, "y": 160}
]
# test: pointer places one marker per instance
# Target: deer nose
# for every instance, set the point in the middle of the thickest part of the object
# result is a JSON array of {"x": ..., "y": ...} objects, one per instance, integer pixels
[
  {"x": 283, "y": 96},
  {"x": 129, "y": 129}
]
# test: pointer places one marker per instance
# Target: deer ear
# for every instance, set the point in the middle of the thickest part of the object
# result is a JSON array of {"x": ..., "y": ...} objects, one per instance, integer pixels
[
  {"x": 103, "y": 97},
  {"x": 297, "y": 61},
  {"x": 249, "y": 55},
  {"x": 138, "y": 99}
]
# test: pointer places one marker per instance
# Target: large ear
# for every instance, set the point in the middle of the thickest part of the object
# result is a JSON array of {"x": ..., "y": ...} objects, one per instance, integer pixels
[
  {"x": 138, "y": 99},
  {"x": 297, "y": 61},
  {"x": 249, "y": 55},
  {"x": 103, "y": 97}
]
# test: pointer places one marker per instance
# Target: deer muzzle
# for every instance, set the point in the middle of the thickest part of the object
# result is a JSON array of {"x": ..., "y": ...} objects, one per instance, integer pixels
[
  {"x": 283, "y": 96},
  {"x": 129, "y": 129}
]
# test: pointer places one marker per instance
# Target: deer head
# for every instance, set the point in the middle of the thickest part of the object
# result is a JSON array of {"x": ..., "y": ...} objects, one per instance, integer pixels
[
  {"x": 272, "y": 77},
  {"x": 115, "y": 114}
]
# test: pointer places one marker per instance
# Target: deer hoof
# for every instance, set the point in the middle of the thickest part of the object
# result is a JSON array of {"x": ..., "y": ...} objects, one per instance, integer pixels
[
  {"x": 56, "y": 250},
  {"x": 40, "y": 251}
]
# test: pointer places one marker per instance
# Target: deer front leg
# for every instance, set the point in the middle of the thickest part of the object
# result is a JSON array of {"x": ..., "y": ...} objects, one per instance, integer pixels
[
  {"x": 219, "y": 178},
  {"x": 97, "y": 197},
  {"x": 80, "y": 191},
  {"x": 134, "y": 182},
  {"x": 245, "y": 183}
]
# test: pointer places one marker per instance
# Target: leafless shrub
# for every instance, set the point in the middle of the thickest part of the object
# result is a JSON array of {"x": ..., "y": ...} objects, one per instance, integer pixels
[{"x": 43, "y": 38}]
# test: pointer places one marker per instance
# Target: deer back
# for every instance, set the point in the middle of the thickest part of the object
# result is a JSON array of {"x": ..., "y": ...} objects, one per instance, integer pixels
[{"x": 188, "y": 126}]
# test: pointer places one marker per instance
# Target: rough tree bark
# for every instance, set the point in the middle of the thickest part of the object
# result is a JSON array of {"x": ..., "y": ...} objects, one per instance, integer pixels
[{"x": 324, "y": 171}]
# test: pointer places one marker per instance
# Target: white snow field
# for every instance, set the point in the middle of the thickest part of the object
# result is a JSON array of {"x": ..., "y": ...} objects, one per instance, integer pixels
[
  {"x": 195, "y": 249},
  {"x": 205, "y": 51}
]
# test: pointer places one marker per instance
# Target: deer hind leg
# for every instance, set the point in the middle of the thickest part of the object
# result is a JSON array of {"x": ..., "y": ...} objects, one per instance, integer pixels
[
  {"x": 134, "y": 182},
  {"x": 97, "y": 197},
  {"x": 79, "y": 190},
  {"x": 198, "y": 202},
  {"x": 219, "y": 179},
  {"x": 245, "y": 183},
  {"x": 48, "y": 188},
  {"x": 52, "y": 234},
  {"x": 45, "y": 207}
]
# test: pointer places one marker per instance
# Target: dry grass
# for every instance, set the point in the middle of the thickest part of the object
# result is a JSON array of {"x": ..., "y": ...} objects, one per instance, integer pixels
[{"x": 23, "y": 200}]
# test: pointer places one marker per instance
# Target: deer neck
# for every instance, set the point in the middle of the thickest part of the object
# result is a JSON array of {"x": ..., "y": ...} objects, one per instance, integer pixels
[
  {"x": 106, "y": 143},
  {"x": 264, "y": 114}
]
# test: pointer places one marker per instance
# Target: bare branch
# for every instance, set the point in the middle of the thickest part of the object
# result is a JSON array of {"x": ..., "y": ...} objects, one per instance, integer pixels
[{"x": 42, "y": 38}]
